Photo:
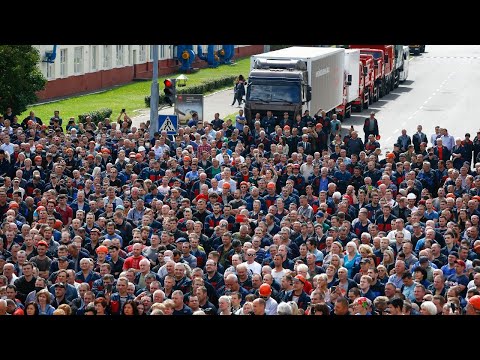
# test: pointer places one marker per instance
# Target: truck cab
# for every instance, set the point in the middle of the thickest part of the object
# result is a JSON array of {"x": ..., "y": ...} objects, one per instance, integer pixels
[{"x": 277, "y": 85}]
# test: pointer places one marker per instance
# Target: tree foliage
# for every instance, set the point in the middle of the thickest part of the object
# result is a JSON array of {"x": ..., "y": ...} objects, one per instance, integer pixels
[{"x": 20, "y": 77}]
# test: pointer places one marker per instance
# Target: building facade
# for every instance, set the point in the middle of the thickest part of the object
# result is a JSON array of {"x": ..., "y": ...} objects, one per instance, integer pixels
[{"x": 86, "y": 68}]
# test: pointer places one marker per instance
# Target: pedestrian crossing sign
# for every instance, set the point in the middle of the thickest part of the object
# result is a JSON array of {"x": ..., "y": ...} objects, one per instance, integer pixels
[{"x": 169, "y": 123}]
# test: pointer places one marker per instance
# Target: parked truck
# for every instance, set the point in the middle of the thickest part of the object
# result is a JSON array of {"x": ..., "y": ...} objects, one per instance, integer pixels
[
  {"x": 416, "y": 49},
  {"x": 387, "y": 54},
  {"x": 400, "y": 57},
  {"x": 353, "y": 84},
  {"x": 295, "y": 79},
  {"x": 406, "y": 63}
]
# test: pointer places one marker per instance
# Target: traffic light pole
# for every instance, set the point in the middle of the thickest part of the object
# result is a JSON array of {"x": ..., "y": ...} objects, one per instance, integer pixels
[{"x": 154, "y": 94}]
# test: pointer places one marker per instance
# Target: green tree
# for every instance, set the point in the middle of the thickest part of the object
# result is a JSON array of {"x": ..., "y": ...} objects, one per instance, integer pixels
[{"x": 20, "y": 77}]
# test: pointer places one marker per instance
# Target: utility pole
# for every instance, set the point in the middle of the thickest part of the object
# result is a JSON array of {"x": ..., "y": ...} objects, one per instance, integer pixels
[{"x": 154, "y": 94}]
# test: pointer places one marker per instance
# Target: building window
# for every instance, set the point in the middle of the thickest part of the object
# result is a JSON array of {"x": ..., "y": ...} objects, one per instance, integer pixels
[
  {"x": 162, "y": 52},
  {"x": 119, "y": 55},
  {"x": 50, "y": 70},
  {"x": 78, "y": 60},
  {"x": 143, "y": 53},
  {"x": 94, "y": 52},
  {"x": 63, "y": 62},
  {"x": 107, "y": 56}
]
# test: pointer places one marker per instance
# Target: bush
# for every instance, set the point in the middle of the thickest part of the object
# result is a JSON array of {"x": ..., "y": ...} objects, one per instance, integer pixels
[
  {"x": 201, "y": 88},
  {"x": 96, "y": 115}
]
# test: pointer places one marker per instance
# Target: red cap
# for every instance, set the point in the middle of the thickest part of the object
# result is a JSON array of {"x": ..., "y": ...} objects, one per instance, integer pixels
[
  {"x": 296, "y": 166},
  {"x": 301, "y": 278},
  {"x": 102, "y": 248},
  {"x": 476, "y": 197},
  {"x": 186, "y": 158},
  {"x": 243, "y": 183},
  {"x": 226, "y": 185},
  {"x": 390, "y": 156},
  {"x": 40, "y": 208},
  {"x": 42, "y": 242},
  {"x": 39, "y": 146},
  {"x": 450, "y": 195},
  {"x": 105, "y": 151},
  {"x": 271, "y": 185},
  {"x": 460, "y": 262},
  {"x": 90, "y": 156},
  {"x": 30, "y": 122},
  {"x": 13, "y": 205},
  {"x": 265, "y": 289},
  {"x": 286, "y": 127},
  {"x": 37, "y": 158}
]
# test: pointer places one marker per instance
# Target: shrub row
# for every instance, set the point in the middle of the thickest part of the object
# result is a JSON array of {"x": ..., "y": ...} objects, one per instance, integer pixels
[
  {"x": 96, "y": 115},
  {"x": 201, "y": 88}
]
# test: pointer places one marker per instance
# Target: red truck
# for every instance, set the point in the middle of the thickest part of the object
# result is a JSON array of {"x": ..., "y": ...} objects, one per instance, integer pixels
[
  {"x": 384, "y": 58},
  {"x": 368, "y": 91}
]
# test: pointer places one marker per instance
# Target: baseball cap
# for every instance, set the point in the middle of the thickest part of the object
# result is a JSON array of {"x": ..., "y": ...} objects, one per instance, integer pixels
[
  {"x": 364, "y": 261},
  {"x": 271, "y": 185},
  {"x": 320, "y": 214},
  {"x": 411, "y": 196},
  {"x": 13, "y": 205},
  {"x": 301, "y": 278},
  {"x": 103, "y": 249},
  {"x": 460, "y": 262},
  {"x": 450, "y": 195},
  {"x": 423, "y": 260},
  {"x": 60, "y": 284},
  {"x": 226, "y": 185},
  {"x": 390, "y": 156},
  {"x": 63, "y": 258},
  {"x": 42, "y": 242},
  {"x": 265, "y": 289},
  {"x": 120, "y": 207},
  {"x": 244, "y": 183},
  {"x": 286, "y": 127},
  {"x": 181, "y": 240},
  {"x": 141, "y": 148}
]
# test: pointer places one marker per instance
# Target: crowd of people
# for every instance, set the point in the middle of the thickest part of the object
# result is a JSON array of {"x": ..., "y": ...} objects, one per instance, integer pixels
[{"x": 260, "y": 217}]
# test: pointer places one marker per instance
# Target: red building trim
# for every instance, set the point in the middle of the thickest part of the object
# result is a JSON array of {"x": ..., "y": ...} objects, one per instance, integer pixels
[{"x": 107, "y": 78}]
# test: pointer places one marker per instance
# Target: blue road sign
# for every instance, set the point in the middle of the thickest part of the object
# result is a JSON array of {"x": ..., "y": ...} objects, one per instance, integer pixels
[{"x": 169, "y": 123}]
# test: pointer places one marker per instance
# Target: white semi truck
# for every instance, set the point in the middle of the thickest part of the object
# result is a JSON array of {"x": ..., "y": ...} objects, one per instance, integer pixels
[{"x": 295, "y": 79}]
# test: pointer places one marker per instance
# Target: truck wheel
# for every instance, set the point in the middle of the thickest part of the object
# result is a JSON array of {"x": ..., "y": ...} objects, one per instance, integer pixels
[
  {"x": 370, "y": 98},
  {"x": 365, "y": 105},
  {"x": 375, "y": 93},
  {"x": 422, "y": 48},
  {"x": 416, "y": 52},
  {"x": 348, "y": 113},
  {"x": 380, "y": 91}
]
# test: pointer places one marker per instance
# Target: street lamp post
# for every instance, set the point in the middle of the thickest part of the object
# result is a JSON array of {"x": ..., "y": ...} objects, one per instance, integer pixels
[{"x": 154, "y": 94}]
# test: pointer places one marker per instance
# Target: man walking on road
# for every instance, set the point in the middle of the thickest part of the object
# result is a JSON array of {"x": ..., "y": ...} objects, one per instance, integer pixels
[{"x": 370, "y": 126}]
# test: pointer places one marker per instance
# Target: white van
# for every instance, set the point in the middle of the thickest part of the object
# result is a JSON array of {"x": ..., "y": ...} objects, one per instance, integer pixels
[{"x": 404, "y": 73}]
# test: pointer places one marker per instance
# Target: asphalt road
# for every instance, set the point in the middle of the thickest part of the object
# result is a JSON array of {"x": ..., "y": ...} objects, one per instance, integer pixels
[{"x": 442, "y": 89}]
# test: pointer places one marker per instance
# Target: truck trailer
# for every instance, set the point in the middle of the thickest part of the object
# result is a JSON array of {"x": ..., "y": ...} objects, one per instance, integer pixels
[
  {"x": 353, "y": 84},
  {"x": 295, "y": 79}
]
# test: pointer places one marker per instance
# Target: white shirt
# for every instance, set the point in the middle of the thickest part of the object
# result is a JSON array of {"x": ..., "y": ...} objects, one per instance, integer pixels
[
  {"x": 254, "y": 267},
  {"x": 271, "y": 306},
  {"x": 8, "y": 148},
  {"x": 406, "y": 235},
  {"x": 277, "y": 275}
]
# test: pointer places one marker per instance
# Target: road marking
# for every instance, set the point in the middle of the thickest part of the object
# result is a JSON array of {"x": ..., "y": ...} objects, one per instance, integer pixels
[
  {"x": 395, "y": 131},
  {"x": 433, "y": 94},
  {"x": 429, "y": 98},
  {"x": 404, "y": 123},
  {"x": 425, "y": 101}
]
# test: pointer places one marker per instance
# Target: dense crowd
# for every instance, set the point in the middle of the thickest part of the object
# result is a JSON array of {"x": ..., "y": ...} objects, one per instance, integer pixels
[{"x": 264, "y": 217}]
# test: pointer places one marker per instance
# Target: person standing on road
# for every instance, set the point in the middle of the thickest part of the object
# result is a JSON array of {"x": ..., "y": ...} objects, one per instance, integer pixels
[
  {"x": 370, "y": 126},
  {"x": 418, "y": 138},
  {"x": 239, "y": 90}
]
